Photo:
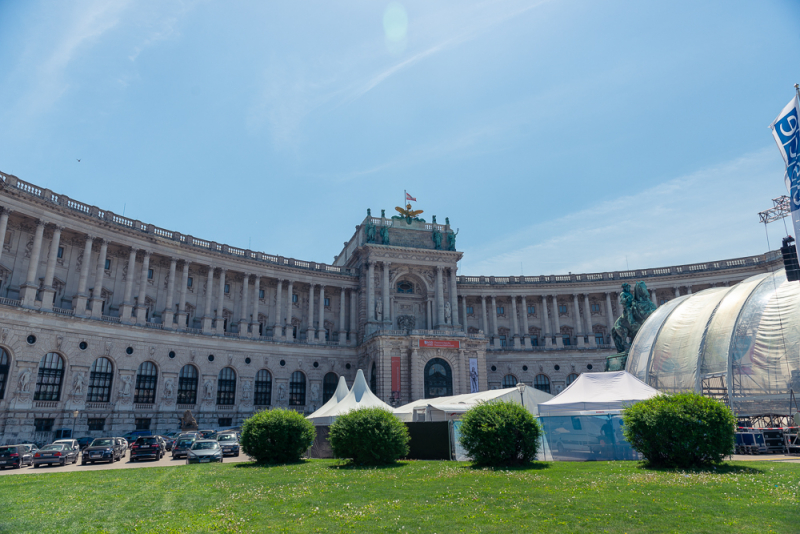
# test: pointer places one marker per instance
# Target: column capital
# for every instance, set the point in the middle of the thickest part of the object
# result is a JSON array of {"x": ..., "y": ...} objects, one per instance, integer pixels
[
  {"x": 386, "y": 263},
  {"x": 147, "y": 253},
  {"x": 41, "y": 222},
  {"x": 59, "y": 227},
  {"x": 7, "y": 211},
  {"x": 439, "y": 268}
]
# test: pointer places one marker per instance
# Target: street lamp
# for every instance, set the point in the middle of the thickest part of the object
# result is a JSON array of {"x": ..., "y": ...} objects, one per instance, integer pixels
[{"x": 74, "y": 418}]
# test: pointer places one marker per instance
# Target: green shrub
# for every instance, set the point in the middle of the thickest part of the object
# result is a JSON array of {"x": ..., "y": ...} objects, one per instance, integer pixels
[
  {"x": 500, "y": 433},
  {"x": 369, "y": 436},
  {"x": 277, "y": 436},
  {"x": 681, "y": 430}
]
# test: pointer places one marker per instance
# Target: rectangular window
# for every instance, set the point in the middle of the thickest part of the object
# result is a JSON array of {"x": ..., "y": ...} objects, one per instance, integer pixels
[
  {"x": 60, "y": 252},
  {"x": 327, "y": 301},
  {"x": 562, "y": 308},
  {"x": 662, "y": 302},
  {"x": 531, "y": 310},
  {"x": 534, "y": 340},
  {"x": 227, "y": 288},
  {"x": 108, "y": 264},
  {"x": 294, "y": 297},
  {"x": 502, "y": 341},
  {"x": 43, "y": 425},
  {"x": 501, "y": 310},
  {"x": 566, "y": 341},
  {"x": 142, "y": 424},
  {"x": 225, "y": 421},
  {"x": 470, "y": 311},
  {"x": 189, "y": 281},
  {"x": 149, "y": 274},
  {"x": 97, "y": 424},
  {"x": 261, "y": 293},
  {"x": 599, "y": 338},
  {"x": 595, "y": 308}
]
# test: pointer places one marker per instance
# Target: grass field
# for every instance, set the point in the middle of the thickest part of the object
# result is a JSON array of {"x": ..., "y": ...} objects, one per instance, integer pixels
[{"x": 444, "y": 497}]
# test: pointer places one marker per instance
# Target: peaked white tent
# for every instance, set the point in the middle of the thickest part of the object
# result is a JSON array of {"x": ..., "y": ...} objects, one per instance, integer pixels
[
  {"x": 598, "y": 392},
  {"x": 359, "y": 396},
  {"x": 447, "y": 408},
  {"x": 340, "y": 393}
]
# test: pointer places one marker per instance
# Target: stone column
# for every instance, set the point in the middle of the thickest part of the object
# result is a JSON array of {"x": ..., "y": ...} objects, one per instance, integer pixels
[
  {"x": 464, "y": 313},
  {"x": 439, "y": 298},
  {"x": 167, "y": 318},
  {"x": 454, "y": 297},
  {"x": 387, "y": 314},
  {"x": 321, "y": 327},
  {"x": 221, "y": 302},
  {"x": 557, "y": 323},
  {"x": 311, "y": 332},
  {"x": 370, "y": 291},
  {"x": 353, "y": 326},
  {"x": 207, "y": 317},
  {"x": 141, "y": 304},
  {"x": 515, "y": 322},
  {"x": 80, "y": 298},
  {"x": 653, "y": 297},
  {"x": 31, "y": 285},
  {"x": 277, "y": 328},
  {"x": 245, "y": 311},
  {"x": 97, "y": 291},
  {"x": 587, "y": 319},
  {"x": 677, "y": 291},
  {"x": 548, "y": 337},
  {"x": 609, "y": 315},
  {"x": 126, "y": 310},
  {"x": 429, "y": 315},
  {"x": 3, "y": 228},
  {"x": 578, "y": 326},
  {"x": 182, "y": 319},
  {"x": 48, "y": 294},
  {"x": 493, "y": 315},
  {"x": 342, "y": 331},
  {"x": 289, "y": 309},
  {"x": 484, "y": 324},
  {"x": 688, "y": 290},
  {"x": 525, "y": 330},
  {"x": 254, "y": 322}
]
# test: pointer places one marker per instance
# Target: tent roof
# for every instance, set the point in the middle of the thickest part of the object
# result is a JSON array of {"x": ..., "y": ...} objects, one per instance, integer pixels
[
  {"x": 599, "y": 391},
  {"x": 461, "y": 403},
  {"x": 359, "y": 396},
  {"x": 338, "y": 395}
]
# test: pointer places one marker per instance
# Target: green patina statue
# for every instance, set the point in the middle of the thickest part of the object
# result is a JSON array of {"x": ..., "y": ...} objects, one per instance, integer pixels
[
  {"x": 437, "y": 239},
  {"x": 451, "y": 240},
  {"x": 636, "y": 308},
  {"x": 385, "y": 235},
  {"x": 369, "y": 228}
]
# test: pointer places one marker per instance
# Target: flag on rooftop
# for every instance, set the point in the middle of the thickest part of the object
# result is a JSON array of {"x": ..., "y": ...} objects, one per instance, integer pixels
[{"x": 409, "y": 197}]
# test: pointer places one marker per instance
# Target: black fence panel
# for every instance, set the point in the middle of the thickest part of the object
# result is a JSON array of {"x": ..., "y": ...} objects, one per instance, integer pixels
[
  {"x": 429, "y": 440},
  {"x": 321, "y": 448}
]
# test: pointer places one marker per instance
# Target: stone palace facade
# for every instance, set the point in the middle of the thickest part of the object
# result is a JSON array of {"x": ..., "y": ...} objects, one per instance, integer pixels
[{"x": 109, "y": 324}]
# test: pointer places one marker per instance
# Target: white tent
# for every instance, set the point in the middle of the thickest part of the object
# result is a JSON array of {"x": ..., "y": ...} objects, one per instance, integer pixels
[
  {"x": 340, "y": 393},
  {"x": 359, "y": 396},
  {"x": 598, "y": 392},
  {"x": 448, "y": 408}
]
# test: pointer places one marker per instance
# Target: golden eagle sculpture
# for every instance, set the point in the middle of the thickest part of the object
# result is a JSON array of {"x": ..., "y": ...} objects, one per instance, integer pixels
[{"x": 408, "y": 213}]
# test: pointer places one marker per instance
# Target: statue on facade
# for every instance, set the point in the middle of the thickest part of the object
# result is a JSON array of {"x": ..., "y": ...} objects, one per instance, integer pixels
[
  {"x": 369, "y": 229},
  {"x": 385, "y": 235},
  {"x": 209, "y": 387},
  {"x": 636, "y": 308},
  {"x": 379, "y": 309},
  {"x": 169, "y": 385},
  {"x": 447, "y": 312},
  {"x": 246, "y": 390},
  {"x": 383, "y": 214},
  {"x": 408, "y": 214},
  {"x": 406, "y": 322},
  {"x": 433, "y": 219},
  {"x": 451, "y": 240},
  {"x": 281, "y": 392},
  {"x": 188, "y": 422},
  {"x": 314, "y": 392},
  {"x": 24, "y": 380},
  {"x": 77, "y": 384},
  {"x": 437, "y": 239},
  {"x": 126, "y": 386}
]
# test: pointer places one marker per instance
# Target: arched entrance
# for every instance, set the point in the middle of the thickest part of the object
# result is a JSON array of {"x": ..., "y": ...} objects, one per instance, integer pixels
[{"x": 438, "y": 379}]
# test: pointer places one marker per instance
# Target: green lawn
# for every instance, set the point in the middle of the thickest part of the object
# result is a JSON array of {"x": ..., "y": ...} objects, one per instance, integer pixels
[{"x": 321, "y": 496}]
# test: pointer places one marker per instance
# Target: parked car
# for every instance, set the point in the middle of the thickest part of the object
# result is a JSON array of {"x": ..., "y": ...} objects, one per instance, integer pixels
[
  {"x": 207, "y": 434},
  {"x": 57, "y": 453},
  {"x": 71, "y": 442},
  {"x": 229, "y": 444},
  {"x": 182, "y": 446},
  {"x": 85, "y": 441},
  {"x": 102, "y": 450},
  {"x": 123, "y": 445},
  {"x": 15, "y": 456},
  {"x": 167, "y": 442},
  {"x": 130, "y": 437},
  {"x": 204, "y": 451},
  {"x": 146, "y": 447},
  {"x": 32, "y": 448}
]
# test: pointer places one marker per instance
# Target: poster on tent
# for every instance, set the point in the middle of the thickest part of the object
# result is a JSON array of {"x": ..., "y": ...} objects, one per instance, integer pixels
[{"x": 473, "y": 375}]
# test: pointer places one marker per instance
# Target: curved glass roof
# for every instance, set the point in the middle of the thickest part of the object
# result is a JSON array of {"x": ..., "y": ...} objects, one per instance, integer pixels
[{"x": 740, "y": 344}]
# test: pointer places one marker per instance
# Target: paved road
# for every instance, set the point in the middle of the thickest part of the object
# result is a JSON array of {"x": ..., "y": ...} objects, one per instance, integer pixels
[{"x": 124, "y": 463}]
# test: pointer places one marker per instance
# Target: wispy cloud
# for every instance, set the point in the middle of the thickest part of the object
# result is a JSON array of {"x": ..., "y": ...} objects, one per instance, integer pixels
[{"x": 707, "y": 215}]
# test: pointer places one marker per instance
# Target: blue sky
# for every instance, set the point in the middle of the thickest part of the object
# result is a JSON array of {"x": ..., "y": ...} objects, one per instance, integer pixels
[{"x": 558, "y": 136}]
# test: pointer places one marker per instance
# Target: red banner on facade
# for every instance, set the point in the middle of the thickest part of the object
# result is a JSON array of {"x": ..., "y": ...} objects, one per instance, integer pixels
[
  {"x": 396, "y": 377},
  {"x": 439, "y": 344}
]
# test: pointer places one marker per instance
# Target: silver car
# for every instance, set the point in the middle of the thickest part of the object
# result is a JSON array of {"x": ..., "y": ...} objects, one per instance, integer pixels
[
  {"x": 57, "y": 453},
  {"x": 229, "y": 444},
  {"x": 203, "y": 451}
]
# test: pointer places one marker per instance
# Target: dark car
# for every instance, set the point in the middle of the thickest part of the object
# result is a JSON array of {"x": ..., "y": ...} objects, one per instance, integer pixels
[
  {"x": 207, "y": 434},
  {"x": 182, "y": 446},
  {"x": 229, "y": 444},
  {"x": 57, "y": 453},
  {"x": 102, "y": 450},
  {"x": 123, "y": 445},
  {"x": 204, "y": 451},
  {"x": 85, "y": 442},
  {"x": 167, "y": 442},
  {"x": 146, "y": 447},
  {"x": 15, "y": 456}
]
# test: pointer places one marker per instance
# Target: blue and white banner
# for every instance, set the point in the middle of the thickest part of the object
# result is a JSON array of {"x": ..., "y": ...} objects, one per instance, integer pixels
[{"x": 786, "y": 131}]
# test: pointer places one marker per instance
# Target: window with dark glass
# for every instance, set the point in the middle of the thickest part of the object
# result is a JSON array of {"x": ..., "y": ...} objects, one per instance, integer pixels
[
  {"x": 149, "y": 274},
  {"x": 327, "y": 301},
  {"x": 534, "y": 340},
  {"x": 501, "y": 310},
  {"x": 595, "y": 308},
  {"x": 100, "y": 377},
  {"x": 261, "y": 294},
  {"x": 225, "y": 421},
  {"x": 108, "y": 264},
  {"x": 263, "y": 388},
  {"x": 4, "y": 368},
  {"x": 571, "y": 378},
  {"x": 142, "y": 423},
  {"x": 532, "y": 310},
  {"x": 542, "y": 383},
  {"x": 509, "y": 381},
  {"x": 502, "y": 341},
  {"x": 470, "y": 310},
  {"x": 97, "y": 424},
  {"x": 297, "y": 389},
  {"x": 566, "y": 340},
  {"x": 60, "y": 252},
  {"x": 329, "y": 384},
  {"x": 662, "y": 302},
  {"x": 43, "y": 425},
  {"x": 599, "y": 338},
  {"x": 146, "y": 381},
  {"x": 48, "y": 381},
  {"x": 187, "y": 385},
  {"x": 189, "y": 281},
  {"x": 405, "y": 287},
  {"x": 294, "y": 297},
  {"x": 438, "y": 379},
  {"x": 226, "y": 387},
  {"x": 562, "y": 308}
]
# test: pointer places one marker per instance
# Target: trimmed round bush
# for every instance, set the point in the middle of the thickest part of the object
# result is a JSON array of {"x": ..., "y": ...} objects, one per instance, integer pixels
[
  {"x": 680, "y": 430},
  {"x": 500, "y": 434},
  {"x": 277, "y": 436},
  {"x": 369, "y": 436}
]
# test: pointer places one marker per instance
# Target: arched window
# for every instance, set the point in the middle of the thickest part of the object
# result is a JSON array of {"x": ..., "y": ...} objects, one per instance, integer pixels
[
  {"x": 4, "y": 366},
  {"x": 509, "y": 381},
  {"x": 405, "y": 287},
  {"x": 373, "y": 379},
  {"x": 438, "y": 379},
  {"x": 146, "y": 381},
  {"x": 100, "y": 377},
  {"x": 263, "y": 392},
  {"x": 226, "y": 387},
  {"x": 571, "y": 378},
  {"x": 187, "y": 385},
  {"x": 297, "y": 389},
  {"x": 542, "y": 382},
  {"x": 51, "y": 374},
  {"x": 329, "y": 384}
]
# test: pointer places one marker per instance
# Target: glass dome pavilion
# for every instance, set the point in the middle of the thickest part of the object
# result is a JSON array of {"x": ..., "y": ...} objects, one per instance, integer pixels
[{"x": 740, "y": 344}]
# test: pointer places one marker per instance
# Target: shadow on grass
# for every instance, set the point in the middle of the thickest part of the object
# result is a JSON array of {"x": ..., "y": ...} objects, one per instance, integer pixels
[
  {"x": 533, "y": 466},
  {"x": 722, "y": 469},
  {"x": 351, "y": 466},
  {"x": 250, "y": 465}
]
